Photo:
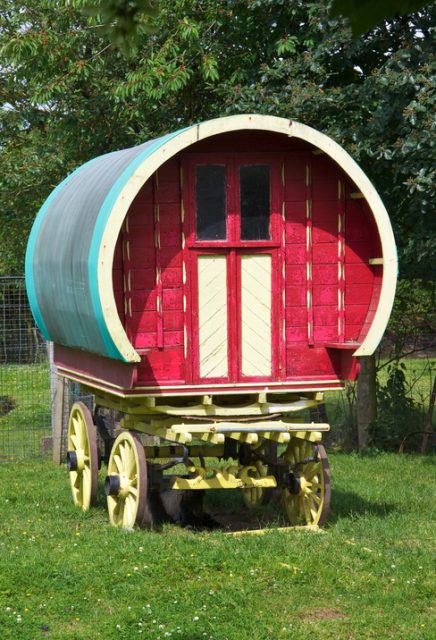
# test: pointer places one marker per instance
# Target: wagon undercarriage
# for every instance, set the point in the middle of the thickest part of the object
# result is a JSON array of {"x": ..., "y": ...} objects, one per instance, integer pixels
[{"x": 260, "y": 444}]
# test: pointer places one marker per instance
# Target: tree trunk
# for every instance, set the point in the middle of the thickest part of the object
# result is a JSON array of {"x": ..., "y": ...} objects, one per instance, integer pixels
[
  {"x": 428, "y": 427},
  {"x": 366, "y": 399}
]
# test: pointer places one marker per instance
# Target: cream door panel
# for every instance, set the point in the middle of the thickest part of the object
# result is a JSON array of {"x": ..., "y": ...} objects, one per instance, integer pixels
[
  {"x": 212, "y": 316},
  {"x": 256, "y": 315}
]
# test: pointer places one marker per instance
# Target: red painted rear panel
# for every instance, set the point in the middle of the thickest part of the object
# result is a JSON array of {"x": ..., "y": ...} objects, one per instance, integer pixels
[{"x": 324, "y": 302}]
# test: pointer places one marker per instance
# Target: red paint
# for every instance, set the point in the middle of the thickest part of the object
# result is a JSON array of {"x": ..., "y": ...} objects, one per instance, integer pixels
[
  {"x": 296, "y": 316},
  {"x": 325, "y": 274},
  {"x": 112, "y": 372},
  {"x": 233, "y": 248},
  {"x": 306, "y": 342},
  {"x": 323, "y": 333},
  {"x": 296, "y": 253},
  {"x": 325, "y": 254},
  {"x": 295, "y": 274},
  {"x": 325, "y": 295}
]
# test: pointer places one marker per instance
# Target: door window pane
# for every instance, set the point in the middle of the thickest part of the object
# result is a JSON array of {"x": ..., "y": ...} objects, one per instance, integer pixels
[
  {"x": 211, "y": 202},
  {"x": 255, "y": 198}
]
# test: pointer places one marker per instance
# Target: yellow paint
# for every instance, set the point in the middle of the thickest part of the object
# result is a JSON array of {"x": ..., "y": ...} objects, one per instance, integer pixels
[
  {"x": 212, "y": 316},
  {"x": 231, "y": 477},
  {"x": 124, "y": 463},
  {"x": 256, "y": 315},
  {"x": 78, "y": 441},
  {"x": 306, "y": 506},
  {"x": 261, "y": 532},
  {"x": 291, "y": 403}
]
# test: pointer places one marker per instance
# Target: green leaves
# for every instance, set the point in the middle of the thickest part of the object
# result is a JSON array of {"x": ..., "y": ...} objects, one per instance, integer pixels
[
  {"x": 367, "y": 14},
  {"x": 70, "y": 94},
  {"x": 287, "y": 45},
  {"x": 124, "y": 20}
]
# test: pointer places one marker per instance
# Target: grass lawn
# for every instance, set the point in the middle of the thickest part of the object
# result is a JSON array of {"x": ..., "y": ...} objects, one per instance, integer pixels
[
  {"x": 27, "y": 388},
  {"x": 371, "y": 574}
]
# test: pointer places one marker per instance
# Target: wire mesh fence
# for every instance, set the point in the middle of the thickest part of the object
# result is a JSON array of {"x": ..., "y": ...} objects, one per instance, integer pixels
[
  {"x": 25, "y": 415},
  {"x": 27, "y": 380}
]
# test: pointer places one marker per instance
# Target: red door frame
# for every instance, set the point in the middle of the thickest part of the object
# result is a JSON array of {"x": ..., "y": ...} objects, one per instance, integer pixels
[{"x": 234, "y": 248}]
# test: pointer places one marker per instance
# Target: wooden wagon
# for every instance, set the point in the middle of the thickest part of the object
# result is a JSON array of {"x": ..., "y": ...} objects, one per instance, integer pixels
[{"x": 210, "y": 285}]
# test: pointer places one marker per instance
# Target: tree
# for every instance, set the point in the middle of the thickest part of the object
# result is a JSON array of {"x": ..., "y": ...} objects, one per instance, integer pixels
[
  {"x": 367, "y": 14},
  {"x": 69, "y": 95}
]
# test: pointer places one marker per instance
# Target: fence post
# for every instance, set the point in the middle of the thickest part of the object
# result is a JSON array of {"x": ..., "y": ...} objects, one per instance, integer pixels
[
  {"x": 57, "y": 387},
  {"x": 366, "y": 399}
]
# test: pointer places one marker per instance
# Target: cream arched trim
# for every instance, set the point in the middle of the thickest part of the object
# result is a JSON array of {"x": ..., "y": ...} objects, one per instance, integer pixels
[{"x": 210, "y": 128}]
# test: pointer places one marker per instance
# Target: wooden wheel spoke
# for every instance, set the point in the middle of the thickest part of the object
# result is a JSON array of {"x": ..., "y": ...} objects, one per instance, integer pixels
[
  {"x": 306, "y": 511},
  {"x": 316, "y": 486},
  {"x": 118, "y": 463},
  {"x": 315, "y": 498},
  {"x": 311, "y": 470},
  {"x": 118, "y": 511},
  {"x": 122, "y": 455},
  {"x": 131, "y": 505},
  {"x": 130, "y": 462}
]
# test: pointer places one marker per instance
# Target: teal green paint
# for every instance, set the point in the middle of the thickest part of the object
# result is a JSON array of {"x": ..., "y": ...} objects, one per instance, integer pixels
[
  {"x": 100, "y": 226},
  {"x": 30, "y": 252}
]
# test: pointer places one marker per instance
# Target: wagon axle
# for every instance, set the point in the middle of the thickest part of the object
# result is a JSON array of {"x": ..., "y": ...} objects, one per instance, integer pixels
[
  {"x": 72, "y": 462},
  {"x": 112, "y": 485}
]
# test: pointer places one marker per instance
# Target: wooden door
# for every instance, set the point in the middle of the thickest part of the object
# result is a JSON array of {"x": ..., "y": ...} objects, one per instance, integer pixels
[{"x": 235, "y": 266}]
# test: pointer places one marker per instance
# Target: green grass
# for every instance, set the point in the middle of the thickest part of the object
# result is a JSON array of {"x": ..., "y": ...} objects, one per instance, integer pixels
[
  {"x": 21, "y": 429},
  {"x": 65, "y": 574}
]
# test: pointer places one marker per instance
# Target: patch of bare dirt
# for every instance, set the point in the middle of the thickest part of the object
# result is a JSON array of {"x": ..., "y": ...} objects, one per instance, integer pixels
[{"x": 327, "y": 613}]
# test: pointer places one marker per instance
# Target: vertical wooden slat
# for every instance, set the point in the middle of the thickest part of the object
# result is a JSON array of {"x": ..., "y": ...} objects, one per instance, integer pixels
[
  {"x": 341, "y": 260},
  {"x": 309, "y": 253},
  {"x": 159, "y": 293}
]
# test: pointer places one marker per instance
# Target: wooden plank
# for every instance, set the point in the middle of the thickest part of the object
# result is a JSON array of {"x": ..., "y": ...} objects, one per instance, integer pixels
[
  {"x": 212, "y": 316},
  {"x": 256, "y": 315},
  {"x": 57, "y": 418}
]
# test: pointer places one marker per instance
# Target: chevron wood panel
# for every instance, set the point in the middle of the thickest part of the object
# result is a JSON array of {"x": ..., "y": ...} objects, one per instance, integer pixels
[
  {"x": 212, "y": 316},
  {"x": 256, "y": 315}
]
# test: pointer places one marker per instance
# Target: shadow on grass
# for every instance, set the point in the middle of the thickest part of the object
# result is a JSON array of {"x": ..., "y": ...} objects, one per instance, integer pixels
[
  {"x": 231, "y": 514},
  {"x": 346, "y": 504}
]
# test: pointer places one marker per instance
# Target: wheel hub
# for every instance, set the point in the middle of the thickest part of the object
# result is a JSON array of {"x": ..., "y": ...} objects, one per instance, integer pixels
[
  {"x": 112, "y": 485},
  {"x": 117, "y": 485},
  {"x": 294, "y": 484},
  {"x": 76, "y": 460}
]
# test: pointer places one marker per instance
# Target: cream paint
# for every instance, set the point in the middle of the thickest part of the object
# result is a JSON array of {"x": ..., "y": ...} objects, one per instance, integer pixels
[
  {"x": 256, "y": 315},
  {"x": 236, "y": 123},
  {"x": 212, "y": 316}
]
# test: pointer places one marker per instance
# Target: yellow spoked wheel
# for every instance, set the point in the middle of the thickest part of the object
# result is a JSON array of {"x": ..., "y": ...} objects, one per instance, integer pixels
[
  {"x": 255, "y": 496},
  {"x": 82, "y": 456},
  {"x": 126, "y": 482},
  {"x": 307, "y": 498}
]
